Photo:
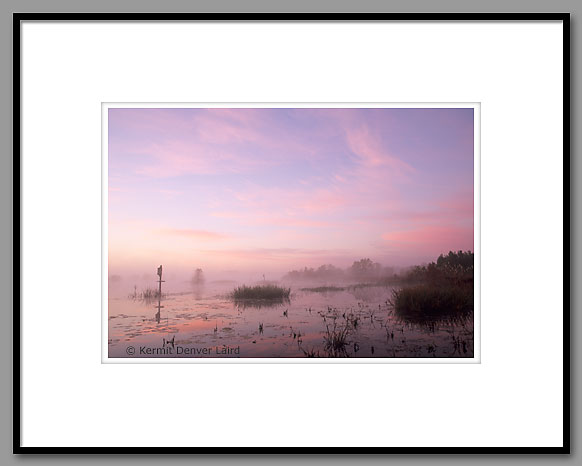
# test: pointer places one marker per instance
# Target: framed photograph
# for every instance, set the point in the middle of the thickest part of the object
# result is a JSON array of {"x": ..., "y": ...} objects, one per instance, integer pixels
[
  {"x": 288, "y": 232},
  {"x": 278, "y": 219}
]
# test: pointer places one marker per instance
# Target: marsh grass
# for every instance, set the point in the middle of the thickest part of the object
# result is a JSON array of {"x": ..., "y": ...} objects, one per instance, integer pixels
[
  {"x": 147, "y": 295},
  {"x": 356, "y": 286},
  {"x": 311, "y": 353},
  {"x": 260, "y": 296},
  {"x": 261, "y": 292},
  {"x": 336, "y": 339},
  {"x": 323, "y": 289},
  {"x": 359, "y": 286},
  {"x": 425, "y": 303},
  {"x": 150, "y": 293}
]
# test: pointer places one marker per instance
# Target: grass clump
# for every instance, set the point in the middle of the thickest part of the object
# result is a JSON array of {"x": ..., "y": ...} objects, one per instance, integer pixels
[
  {"x": 147, "y": 295},
  {"x": 150, "y": 293},
  {"x": 261, "y": 292},
  {"x": 336, "y": 339}
]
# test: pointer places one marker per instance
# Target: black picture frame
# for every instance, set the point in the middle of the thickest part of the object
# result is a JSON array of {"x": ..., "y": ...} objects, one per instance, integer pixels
[{"x": 325, "y": 17}]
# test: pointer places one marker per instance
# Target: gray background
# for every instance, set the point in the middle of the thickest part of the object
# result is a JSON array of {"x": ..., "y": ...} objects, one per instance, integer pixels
[{"x": 7, "y": 255}]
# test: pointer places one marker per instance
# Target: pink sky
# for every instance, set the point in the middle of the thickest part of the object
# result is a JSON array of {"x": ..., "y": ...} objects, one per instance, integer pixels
[{"x": 270, "y": 190}]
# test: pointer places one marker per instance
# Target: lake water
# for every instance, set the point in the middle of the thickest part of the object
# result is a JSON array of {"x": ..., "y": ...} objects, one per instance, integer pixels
[{"x": 202, "y": 322}]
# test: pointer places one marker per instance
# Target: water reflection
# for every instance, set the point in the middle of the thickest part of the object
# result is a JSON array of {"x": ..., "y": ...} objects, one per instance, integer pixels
[
  {"x": 346, "y": 323},
  {"x": 261, "y": 303},
  {"x": 198, "y": 291}
]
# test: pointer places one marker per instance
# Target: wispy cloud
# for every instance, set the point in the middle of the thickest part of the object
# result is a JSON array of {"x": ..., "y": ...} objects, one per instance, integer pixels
[
  {"x": 199, "y": 235},
  {"x": 288, "y": 255},
  {"x": 372, "y": 153}
]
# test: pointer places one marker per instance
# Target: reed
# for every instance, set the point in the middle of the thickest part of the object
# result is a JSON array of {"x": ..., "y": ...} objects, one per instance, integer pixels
[
  {"x": 422, "y": 303},
  {"x": 336, "y": 339},
  {"x": 149, "y": 294}
]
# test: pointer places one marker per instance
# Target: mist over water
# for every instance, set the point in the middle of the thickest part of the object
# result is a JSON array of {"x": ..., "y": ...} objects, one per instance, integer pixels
[{"x": 333, "y": 314}]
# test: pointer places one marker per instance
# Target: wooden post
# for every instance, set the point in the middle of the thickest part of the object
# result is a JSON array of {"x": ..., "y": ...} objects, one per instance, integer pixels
[{"x": 160, "y": 281}]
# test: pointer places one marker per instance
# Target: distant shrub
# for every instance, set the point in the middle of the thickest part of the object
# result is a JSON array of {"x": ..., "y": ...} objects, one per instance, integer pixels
[
  {"x": 198, "y": 277},
  {"x": 324, "y": 272},
  {"x": 365, "y": 269},
  {"x": 453, "y": 268}
]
